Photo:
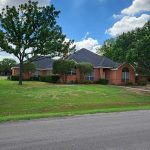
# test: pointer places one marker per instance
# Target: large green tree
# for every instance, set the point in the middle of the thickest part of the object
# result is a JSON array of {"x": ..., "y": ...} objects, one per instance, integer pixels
[
  {"x": 132, "y": 47},
  {"x": 30, "y": 30},
  {"x": 6, "y": 64}
]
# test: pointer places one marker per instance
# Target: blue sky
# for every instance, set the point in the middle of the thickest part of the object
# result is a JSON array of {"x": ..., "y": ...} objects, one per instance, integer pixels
[
  {"x": 91, "y": 22},
  {"x": 79, "y": 17}
]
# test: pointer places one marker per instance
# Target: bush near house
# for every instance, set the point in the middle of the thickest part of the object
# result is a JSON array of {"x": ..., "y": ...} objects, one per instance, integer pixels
[
  {"x": 14, "y": 78},
  {"x": 55, "y": 78},
  {"x": 86, "y": 82},
  {"x": 102, "y": 81},
  {"x": 142, "y": 83},
  {"x": 50, "y": 79},
  {"x": 45, "y": 78},
  {"x": 129, "y": 84},
  {"x": 34, "y": 78}
]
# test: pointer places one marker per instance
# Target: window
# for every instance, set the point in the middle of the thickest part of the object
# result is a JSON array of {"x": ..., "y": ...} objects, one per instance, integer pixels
[
  {"x": 89, "y": 76},
  {"x": 125, "y": 75},
  {"x": 72, "y": 71}
]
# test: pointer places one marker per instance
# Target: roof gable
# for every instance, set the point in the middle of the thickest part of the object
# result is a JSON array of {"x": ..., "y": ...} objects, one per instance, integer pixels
[{"x": 96, "y": 60}]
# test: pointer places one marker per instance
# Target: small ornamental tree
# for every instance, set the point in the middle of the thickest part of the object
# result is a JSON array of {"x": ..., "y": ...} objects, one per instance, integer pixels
[
  {"x": 84, "y": 69},
  {"x": 63, "y": 67},
  {"x": 6, "y": 64},
  {"x": 30, "y": 30}
]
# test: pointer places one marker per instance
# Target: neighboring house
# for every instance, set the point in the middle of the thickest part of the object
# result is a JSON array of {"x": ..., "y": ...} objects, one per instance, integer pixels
[{"x": 103, "y": 68}]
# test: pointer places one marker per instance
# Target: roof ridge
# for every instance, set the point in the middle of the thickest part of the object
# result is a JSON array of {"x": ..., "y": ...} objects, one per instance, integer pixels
[
  {"x": 42, "y": 57},
  {"x": 89, "y": 51}
]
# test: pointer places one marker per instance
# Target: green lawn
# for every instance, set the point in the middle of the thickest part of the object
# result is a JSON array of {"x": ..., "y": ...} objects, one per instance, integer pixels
[{"x": 38, "y": 99}]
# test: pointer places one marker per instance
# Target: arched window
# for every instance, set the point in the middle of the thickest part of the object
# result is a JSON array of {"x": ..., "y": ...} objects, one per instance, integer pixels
[{"x": 125, "y": 75}]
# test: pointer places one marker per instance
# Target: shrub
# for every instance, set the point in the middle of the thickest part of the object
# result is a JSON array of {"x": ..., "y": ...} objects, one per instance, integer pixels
[
  {"x": 142, "y": 83},
  {"x": 8, "y": 77},
  {"x": 86, "y": 82},
  {"x": 102, "y": 81},
  {"x": 15, "y": 78},
  {"x": 72, "y": 82},
  {"x": 50, "y": 79},
  {"x": 34, "y": 78},
  {"x": 54, "y": 78},
  {"x": 129, "y": 83},
  {"x": 45, "y": 78}
]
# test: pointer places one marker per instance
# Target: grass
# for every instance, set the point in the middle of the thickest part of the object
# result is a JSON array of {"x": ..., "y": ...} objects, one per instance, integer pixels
[{"x": 39, "y": 99}]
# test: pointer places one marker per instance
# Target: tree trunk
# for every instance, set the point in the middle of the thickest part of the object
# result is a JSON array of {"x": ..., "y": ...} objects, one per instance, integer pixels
[{"x": 21, "y": 73}]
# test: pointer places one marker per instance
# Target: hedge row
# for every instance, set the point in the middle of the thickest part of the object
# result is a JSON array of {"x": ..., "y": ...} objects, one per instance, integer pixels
[
  {"x": 50, "y": 79},
  {"x": 102, "y": 81},
  {"x": 56, "y": 79}
]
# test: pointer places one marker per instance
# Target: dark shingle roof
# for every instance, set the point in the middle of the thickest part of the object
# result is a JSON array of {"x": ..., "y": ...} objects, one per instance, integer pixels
[
  {"x": 96, "y": 60},
  {"x": 83, "y": 55},
  {"x": 43, "y": 62}
]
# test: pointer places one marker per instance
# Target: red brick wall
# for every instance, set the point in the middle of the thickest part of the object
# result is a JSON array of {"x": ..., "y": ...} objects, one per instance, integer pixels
[
  {"x": 71, "y": 78},
  {"x": 96, "y": 74},
  {"x": 27, "y": 75},
  {"x": 114, "y": 76},
  {"x": 15, "y": 71},
  {"x": 75, "y": 77}
]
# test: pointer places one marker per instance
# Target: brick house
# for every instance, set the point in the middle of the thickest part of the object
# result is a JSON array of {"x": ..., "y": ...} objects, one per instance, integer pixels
[{"x": 103, "y": 68}]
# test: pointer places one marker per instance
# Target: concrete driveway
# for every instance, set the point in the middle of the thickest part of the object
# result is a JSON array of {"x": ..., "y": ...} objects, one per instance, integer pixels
[{"x": 107, "y": 131}]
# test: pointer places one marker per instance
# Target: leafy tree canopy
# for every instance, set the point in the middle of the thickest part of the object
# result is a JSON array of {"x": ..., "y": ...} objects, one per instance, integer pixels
[
  {"x": 30, "y": 30},
  {"x": 6, "y": 64},
  {"x": 132, "y": 47},
  {"x": 63, "y": 67},
  {"x": 84, "y": 68}
]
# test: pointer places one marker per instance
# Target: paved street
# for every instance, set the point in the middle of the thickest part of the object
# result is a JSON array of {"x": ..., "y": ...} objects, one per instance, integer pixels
[{"x": 107, "y": 131}]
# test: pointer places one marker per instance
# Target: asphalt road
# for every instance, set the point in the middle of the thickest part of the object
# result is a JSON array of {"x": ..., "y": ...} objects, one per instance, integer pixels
[{"x": 107, "y": 131}]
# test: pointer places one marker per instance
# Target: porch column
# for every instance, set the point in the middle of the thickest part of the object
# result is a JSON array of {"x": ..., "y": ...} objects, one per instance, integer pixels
[{"x": 102, "y": 73}]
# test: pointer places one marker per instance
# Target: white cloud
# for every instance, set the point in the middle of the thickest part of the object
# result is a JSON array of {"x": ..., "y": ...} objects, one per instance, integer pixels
[
  {"x": 88, "y": 43},
  {"x": 6, "y": 55},
  {"x": 129, "y": 17},
  {"x": 3, "y": 3},
  {"x": 137, "y": 6},
  {"x": 127, "y": 23},
  {"x": 86, "y": 35},
  {"x": 117, "y": 16}
]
